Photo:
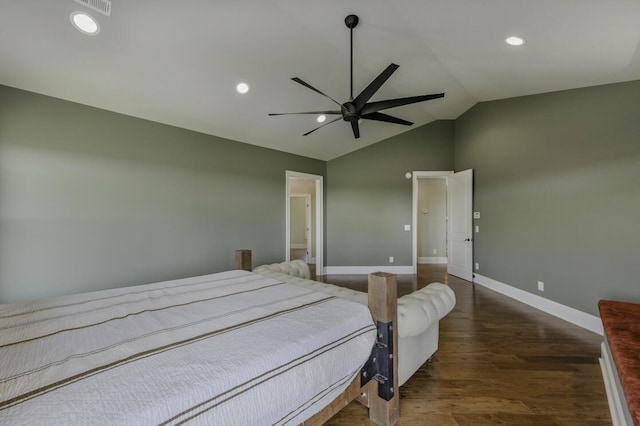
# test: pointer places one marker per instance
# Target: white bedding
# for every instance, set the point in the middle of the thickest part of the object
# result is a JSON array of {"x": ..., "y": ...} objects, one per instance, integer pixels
[{"x": 232, "y": 348}]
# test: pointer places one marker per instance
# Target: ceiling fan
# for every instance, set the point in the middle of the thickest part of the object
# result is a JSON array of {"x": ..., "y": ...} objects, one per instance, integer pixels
[{"x": 360, "y": 107}]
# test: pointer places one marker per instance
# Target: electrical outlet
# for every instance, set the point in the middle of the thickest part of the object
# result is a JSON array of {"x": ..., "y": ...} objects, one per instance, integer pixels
[
  {"x": 477, "y": 229},
  {"x": 477, "y": 266},
  {"x": 540, "y": 286},
  {"x": 407, "y": 227},
  {"x": 390, "y": 259}
]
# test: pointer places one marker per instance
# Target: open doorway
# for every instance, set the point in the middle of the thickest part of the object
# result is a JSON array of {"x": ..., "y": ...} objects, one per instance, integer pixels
[
  {"x": 429, "y": 217},
  {"x": 300, "y": 226},
  {"x": 432, "y": 220},
  {"x": 442, "y": 220},
  {"x": 304, "y": 219}
]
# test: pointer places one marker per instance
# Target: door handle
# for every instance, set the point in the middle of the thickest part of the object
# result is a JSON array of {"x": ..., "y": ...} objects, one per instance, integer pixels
[{"x": 468, "y": 239}]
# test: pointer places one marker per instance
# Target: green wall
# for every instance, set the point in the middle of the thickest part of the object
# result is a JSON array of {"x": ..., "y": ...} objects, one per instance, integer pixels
[
  {"x": 556, "y": 183},
  {"x": 91, "y": 199},
  {"x": 369, "y": 200}
]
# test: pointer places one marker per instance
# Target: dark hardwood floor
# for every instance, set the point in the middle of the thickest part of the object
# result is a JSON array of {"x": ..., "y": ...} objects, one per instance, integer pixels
[{"x": 499, "y": 362}]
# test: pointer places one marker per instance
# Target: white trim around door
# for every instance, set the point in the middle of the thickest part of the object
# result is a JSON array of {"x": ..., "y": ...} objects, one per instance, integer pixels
[
  {"x": 416, "y": 176},
  {"x": 317, "y": 226}
]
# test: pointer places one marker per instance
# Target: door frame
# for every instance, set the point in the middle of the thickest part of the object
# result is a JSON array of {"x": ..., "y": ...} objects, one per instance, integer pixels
[
  {"x": 421, "y": 175},
  {"x": 319, "y": 222}
]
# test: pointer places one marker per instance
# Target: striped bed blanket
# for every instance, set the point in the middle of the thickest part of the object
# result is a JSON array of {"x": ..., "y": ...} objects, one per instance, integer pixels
[{"x": 233, "y": 348}]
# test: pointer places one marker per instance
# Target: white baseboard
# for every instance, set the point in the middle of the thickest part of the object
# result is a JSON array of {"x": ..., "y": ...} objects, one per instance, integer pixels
[
  {"x": 574, "y": 316},
  {"x": 354, "y": 270},
  {"x": 432, "y": 260}
]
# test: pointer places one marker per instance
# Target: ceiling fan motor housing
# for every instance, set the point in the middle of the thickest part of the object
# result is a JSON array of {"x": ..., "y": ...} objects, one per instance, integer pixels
[
  {"x": 351, "y": 21},
  {"x": 349, "y": 112}
]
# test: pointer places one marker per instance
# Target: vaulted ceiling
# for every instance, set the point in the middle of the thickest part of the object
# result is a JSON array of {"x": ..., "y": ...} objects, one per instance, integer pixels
[{"x": 178, "y": 62}]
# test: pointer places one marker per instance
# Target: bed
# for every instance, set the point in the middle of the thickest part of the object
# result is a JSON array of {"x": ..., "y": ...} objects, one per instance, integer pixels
[{"x": 227, "y": 348}]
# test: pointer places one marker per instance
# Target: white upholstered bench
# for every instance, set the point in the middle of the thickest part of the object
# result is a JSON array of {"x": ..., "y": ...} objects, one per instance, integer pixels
[{"x": 419, "y": 313}]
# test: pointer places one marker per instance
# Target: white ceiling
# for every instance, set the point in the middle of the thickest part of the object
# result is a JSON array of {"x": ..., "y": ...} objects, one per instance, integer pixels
[{"x": 178, "y": 62}]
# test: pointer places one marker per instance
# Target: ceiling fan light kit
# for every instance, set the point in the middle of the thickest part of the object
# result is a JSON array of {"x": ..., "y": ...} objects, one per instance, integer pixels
[
  {"x": 242, "y": 88},
  {"x": 515, "y": 41},
  {"x": 360, "y": 108}
]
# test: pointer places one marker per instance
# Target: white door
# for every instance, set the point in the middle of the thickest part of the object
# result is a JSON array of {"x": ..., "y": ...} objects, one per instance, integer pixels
[{"x": 460, "y": 224}]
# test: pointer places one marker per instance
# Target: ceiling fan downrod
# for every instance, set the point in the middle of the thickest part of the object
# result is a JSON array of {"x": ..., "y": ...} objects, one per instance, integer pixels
[{"x": 351, "y": 22}]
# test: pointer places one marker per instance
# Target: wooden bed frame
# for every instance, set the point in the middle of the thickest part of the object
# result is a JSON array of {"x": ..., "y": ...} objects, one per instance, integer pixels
[{"x": 383, "y": 410}]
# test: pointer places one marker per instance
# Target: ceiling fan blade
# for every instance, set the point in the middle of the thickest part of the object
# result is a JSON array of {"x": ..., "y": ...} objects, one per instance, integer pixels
[
  {"x": 307, "y": 85},
  {"x": 325, "y": 124},
  {"x": 392, "y": 103},
  {"x": 373, "y": 87},
  {"x": 378, "y": 116},
  {"x": 355, "y": 128},
  {"x": 307, "y": 112}
]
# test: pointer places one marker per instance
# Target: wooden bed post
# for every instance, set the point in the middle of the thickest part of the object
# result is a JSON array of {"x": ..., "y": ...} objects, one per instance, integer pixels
[
  {"x": 383, "y": 291},
  {"x": 243, "y": 260}
]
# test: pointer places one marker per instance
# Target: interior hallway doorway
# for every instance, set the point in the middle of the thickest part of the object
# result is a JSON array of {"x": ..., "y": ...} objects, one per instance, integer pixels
[{"x": 304, "y": 219}]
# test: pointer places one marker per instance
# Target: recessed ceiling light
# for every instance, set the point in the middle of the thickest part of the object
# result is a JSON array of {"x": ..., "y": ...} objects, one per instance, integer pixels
[
  {"x": 85, "y": 23},
  {"x": 242, "y": 88},
  {"x": 515, "y": 41},
  {"x": 321, "y": 118}
]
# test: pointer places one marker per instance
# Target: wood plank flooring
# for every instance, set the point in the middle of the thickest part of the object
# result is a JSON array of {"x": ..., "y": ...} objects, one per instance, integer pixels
[{"x": 499, "y": 362}]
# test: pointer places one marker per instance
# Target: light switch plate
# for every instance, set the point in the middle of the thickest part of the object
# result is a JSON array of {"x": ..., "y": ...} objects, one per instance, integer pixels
[
  {"x": 476, "y": 215},
  {"x": 407, "y": 227}
]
